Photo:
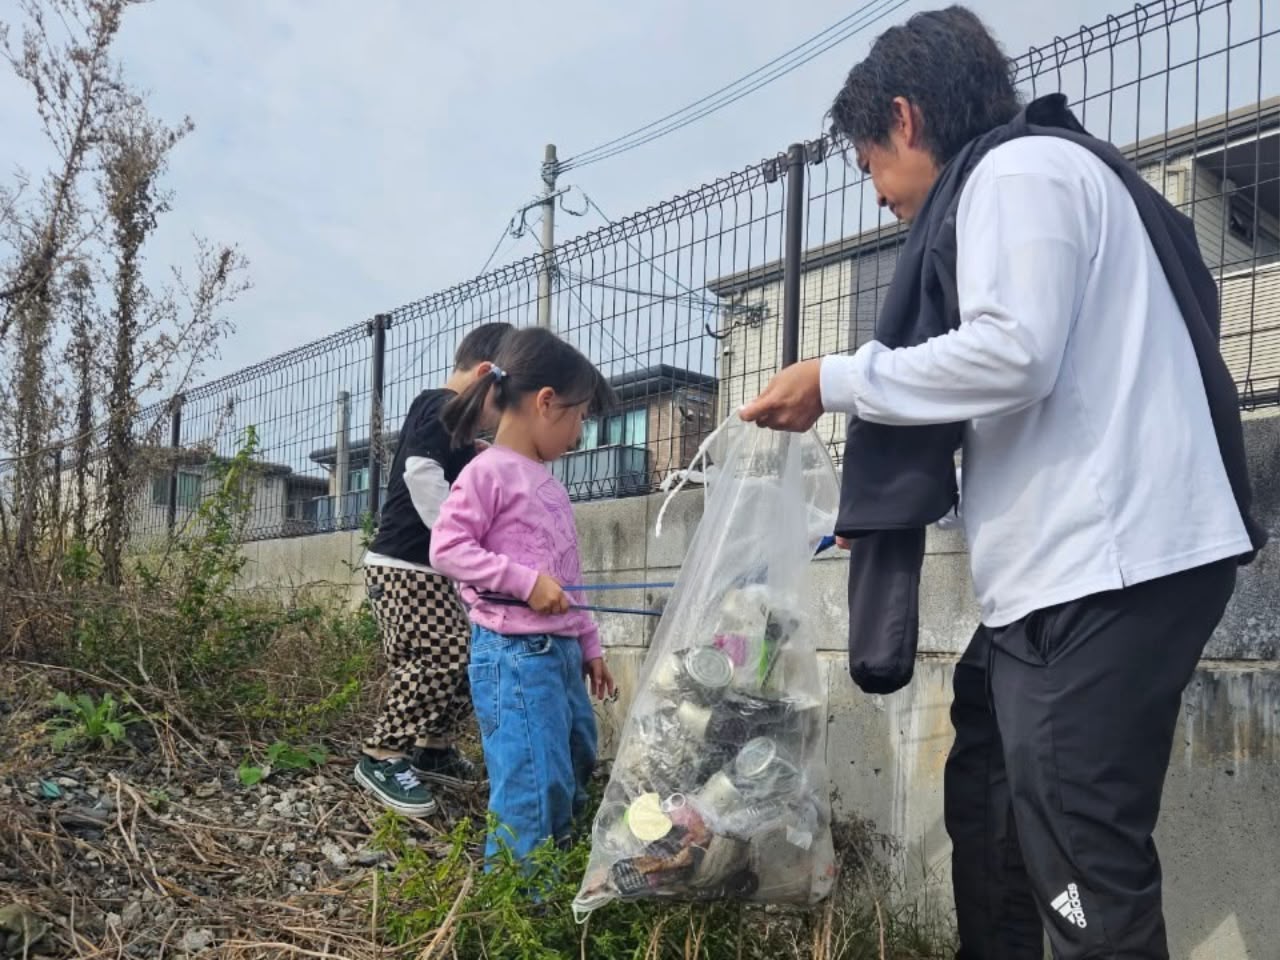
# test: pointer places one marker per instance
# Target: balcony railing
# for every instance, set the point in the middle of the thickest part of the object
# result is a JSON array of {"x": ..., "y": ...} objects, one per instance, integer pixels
[
  {"x": 329, "y": 513},
  {"x": 604, "y": 473}
]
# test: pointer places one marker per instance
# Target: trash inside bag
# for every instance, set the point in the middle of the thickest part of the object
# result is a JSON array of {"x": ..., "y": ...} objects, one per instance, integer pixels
[{"x": 719, "y": 788}]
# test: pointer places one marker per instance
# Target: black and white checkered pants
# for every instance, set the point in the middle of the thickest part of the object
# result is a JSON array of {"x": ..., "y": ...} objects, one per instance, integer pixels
[{"x": 426, "y": 640}]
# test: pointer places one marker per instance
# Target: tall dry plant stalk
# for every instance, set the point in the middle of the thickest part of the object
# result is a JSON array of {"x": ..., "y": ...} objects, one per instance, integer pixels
[{"x": 84, "y": 338}]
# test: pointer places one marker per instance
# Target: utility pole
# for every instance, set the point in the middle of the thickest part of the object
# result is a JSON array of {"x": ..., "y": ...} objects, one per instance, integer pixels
[
  {"x": 341, "y": 451},
  {"x": 550, "y": 168}
]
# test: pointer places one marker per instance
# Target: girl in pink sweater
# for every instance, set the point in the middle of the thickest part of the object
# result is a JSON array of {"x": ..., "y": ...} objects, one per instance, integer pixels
[{"x": 506, "y": 535}]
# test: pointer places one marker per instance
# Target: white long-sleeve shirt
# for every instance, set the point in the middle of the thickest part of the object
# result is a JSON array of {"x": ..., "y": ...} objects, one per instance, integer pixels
[
  {"x": 428, "y": 489},
  {"x": 1090, "y": 459}
]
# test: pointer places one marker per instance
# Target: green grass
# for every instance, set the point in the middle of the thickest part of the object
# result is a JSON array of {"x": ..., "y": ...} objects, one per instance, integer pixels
[
  {"x": 85, "y": 721},
  {"x": 524, "y": 913},
  {"x": 281, "y": 756}
]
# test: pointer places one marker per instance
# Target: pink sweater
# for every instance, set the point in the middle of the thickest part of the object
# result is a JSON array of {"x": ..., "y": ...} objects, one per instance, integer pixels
[{"x": 506, "y": 520}]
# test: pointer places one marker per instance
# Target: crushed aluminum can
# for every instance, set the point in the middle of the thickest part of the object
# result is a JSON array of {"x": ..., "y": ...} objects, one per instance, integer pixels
[
  {"x": 702, "y": 673},
  {"x": 709, "y": 669}
]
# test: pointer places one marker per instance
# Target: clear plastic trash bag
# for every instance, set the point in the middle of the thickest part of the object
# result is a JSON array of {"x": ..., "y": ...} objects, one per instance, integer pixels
[{"x": 719, "y": 789}]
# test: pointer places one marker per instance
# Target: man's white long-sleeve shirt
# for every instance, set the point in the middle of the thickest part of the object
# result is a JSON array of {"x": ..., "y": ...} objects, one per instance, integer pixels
[{"x": 1090, "y": 459}]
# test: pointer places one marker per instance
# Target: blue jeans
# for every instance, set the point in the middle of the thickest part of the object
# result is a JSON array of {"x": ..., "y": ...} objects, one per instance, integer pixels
[{"x": 539, "y": 735}]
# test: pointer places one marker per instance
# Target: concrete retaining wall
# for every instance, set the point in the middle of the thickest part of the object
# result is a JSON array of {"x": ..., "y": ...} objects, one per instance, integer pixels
[{"x": 1220, "y": 832}]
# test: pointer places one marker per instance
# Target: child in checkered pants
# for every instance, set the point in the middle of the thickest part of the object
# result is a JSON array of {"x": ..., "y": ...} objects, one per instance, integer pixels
[
  {"x": 506, "y": 534},
  {"x": 423, "y": 627}
]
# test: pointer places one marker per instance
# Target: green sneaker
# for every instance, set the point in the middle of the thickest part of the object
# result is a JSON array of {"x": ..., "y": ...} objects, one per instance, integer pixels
[
  {"x": 445, "y": 768},
  {"x": 396, "y": 786}
]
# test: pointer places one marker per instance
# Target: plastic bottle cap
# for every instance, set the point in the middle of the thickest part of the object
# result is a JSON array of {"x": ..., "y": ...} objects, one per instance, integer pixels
[
  {"x": 755, "y": 757},
  {"x": 647, "y": 821},
  {"x": 709, "y": 667}
]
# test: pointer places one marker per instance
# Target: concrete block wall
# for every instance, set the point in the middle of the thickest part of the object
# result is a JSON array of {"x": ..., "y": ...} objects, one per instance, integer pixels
[{"x": 1220, "y": 832}]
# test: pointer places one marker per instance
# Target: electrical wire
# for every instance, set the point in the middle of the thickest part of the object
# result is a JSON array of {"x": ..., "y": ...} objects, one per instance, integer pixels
[
  {"x": 731, "y": 93},
  {"x": 681, "y": 296},
  {"x": 506, "y": 231},
  {"x": 688, "y": 295},
  {"x": 728, "y": 88},
  {"x": 604, "y": 329},
  {"x": 511, "y": 231}
]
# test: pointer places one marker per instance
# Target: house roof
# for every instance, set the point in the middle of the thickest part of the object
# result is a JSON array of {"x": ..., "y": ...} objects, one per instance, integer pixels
[
  {"x": 1192, "y": 138},
  {"x": 357, "y": 450},
  {"x": 879, "y": 238},
  {"x": 1213, "y": 132},
  {"x": 659, "y": 379},
  {"x": 628, "y": 386},
  {"x": 158, "y": 456}
]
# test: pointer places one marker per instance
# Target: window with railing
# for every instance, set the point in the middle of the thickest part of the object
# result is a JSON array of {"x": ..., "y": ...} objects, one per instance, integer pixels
[
  {"x": 604, "y": 472},
  {"x": 627, "y": 429},
  {"x": 188, "y": 490}
]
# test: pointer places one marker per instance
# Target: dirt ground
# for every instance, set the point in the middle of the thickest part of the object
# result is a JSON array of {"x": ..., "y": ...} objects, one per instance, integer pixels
[{"x": 156, "y": 849}]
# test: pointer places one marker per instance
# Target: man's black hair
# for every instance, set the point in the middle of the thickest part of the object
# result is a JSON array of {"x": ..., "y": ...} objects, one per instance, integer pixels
[
  {"x": 943, "y": 62},
  {"x": 480, "y": 345}
]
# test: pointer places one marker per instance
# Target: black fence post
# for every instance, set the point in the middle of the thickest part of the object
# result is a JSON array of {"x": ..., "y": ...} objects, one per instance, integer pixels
[
  {"x": 175, "y": 444},
  {"x": 793, "y": 254},
  {"x": 378, "y": 329}
]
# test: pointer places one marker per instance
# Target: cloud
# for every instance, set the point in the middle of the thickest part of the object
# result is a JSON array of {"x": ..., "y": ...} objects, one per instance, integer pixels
[{"x": 366, "y": 155}]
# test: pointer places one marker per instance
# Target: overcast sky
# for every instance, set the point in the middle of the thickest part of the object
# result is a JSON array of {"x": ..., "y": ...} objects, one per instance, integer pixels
[{"x": 367, "y": 154}]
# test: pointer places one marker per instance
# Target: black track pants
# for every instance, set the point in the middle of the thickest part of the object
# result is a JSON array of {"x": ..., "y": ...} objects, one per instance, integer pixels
[{"x": 1064, "y": 726}]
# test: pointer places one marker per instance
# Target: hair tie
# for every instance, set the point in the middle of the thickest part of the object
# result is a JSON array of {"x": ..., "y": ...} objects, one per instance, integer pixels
[{"x": 498, "y": 373}]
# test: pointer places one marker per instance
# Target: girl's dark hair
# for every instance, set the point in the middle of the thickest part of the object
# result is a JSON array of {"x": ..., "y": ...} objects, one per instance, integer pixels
[
  {"x": 944, "y": 62},
  {"x": 528, "y": 360}
]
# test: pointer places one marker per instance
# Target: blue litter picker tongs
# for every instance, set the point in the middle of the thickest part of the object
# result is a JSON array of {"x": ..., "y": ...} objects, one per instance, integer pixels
[{"x": 825, "y": 544}]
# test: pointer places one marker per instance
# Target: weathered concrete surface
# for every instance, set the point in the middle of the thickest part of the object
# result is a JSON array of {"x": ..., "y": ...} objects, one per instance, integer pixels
[
  {"x": 323, "y": 566},
  {"x": 1220, "y": 832},
  {"x": 1219, "y": 835},
  {"x": 1251, "y": 628}
]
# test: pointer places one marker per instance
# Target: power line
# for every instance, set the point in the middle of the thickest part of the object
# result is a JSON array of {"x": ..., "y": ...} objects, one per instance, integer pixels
[
  {"x": 607, "y": 219},
  {"x": 656, "y": 296},
  {"x": 727, "y": 88},
  {"x": 731, "y": 93},
  {"x": 685, "y": 294},
  {"x": 506, "y": 231},
  {"x": 510, "y": 231},
  {"x": 603, "y": 327}
]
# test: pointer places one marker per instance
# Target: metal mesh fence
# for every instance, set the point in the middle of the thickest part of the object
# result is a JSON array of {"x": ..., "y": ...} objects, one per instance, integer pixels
[
  {"x": 686, "y": 306},
  {"x": 1182, "y": 87}
]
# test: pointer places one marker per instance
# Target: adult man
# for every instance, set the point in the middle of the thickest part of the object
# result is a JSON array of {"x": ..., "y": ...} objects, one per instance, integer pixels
[{"x": 1055, "y": 307}]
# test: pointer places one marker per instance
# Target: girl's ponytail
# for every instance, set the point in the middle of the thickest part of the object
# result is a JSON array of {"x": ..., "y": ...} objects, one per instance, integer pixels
[
  {"x": 462, "y": 415},
  {"x": 528, "y": 360}
]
